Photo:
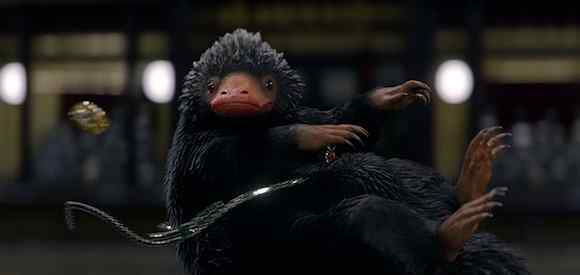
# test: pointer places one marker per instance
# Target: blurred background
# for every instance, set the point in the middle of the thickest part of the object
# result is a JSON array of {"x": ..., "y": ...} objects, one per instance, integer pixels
[{"x": 491, "y": 63}]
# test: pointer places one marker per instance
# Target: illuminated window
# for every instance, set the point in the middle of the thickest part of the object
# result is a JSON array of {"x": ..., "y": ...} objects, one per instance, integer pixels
[{"x": 78, "y": 64}]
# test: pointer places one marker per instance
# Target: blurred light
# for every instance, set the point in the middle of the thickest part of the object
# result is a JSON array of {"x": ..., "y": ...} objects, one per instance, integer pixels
[
  {"x": 261, "y": 191},
  {"x": 159, "y": 81},
  {"x": 13, "y": 83},
  {"x": 454, "y": 81}
]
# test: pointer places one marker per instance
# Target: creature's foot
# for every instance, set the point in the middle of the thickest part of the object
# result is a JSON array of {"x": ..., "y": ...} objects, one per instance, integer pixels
[
  {"x": 459, "y": 227},
  {"x": 399, "y": 97},
  {"x": 477, "y": 165}
]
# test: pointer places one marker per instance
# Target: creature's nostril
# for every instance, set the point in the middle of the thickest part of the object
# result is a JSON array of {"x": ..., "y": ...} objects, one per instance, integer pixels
[
  {"x": 244, "y": 92},
  {"x": 224, "y": 92}
]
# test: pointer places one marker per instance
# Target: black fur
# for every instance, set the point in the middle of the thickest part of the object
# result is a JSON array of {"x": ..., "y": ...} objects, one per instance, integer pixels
[{"x": 361, "y": 214}]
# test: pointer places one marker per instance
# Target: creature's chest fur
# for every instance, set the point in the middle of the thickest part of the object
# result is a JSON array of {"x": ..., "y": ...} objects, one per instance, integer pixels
[{"x": 232, "y": 165}]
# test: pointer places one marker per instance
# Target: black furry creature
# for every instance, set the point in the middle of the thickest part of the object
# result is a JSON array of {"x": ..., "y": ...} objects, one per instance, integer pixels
[{"x": 241, "y": 128}]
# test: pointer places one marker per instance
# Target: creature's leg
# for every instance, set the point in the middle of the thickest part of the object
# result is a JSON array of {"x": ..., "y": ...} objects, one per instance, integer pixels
[
  {"x": 370, "y": 235},
  {"x": 421, "y": 187},
  {"x": 350, "y": 175},
  {"x": 485, "y": 254}
]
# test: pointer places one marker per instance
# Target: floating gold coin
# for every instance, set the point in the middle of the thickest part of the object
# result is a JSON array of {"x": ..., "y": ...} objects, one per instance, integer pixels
[{"x": 89, "y": 117}]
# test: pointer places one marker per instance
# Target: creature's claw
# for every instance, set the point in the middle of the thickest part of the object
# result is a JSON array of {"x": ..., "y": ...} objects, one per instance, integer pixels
[
  {"x": 459, "y": 227},
  {"x": 398, "y": 97},
  {"x": 421, "y": 90},
  {"x": 477, "y": 165},
  {"x": 495, "y": 152},
  {"x": 499, "y": 191},
  {"x": 423, "y": 98},
  {"x": 496, "y": 140},
  {"x": 317, "y": 137}
]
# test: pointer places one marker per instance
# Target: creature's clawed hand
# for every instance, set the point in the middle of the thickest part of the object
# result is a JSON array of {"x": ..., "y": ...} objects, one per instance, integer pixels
[
  {"x": 399, "y": 97},
  {"x": 316, "y": 137},
  {"x": 473, "y": 181},
  {"x": 459, "y": 227},
  {"x": 478, "y": 162}
]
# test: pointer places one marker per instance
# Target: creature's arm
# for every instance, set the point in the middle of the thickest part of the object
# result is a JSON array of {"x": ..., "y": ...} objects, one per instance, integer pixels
[
  {"x": 281, "y": 143},
  {"x": 369, "y": 110}
]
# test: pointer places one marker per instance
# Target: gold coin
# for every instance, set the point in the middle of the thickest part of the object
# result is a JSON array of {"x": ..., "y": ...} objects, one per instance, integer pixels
[{"x": 89, "y": 117}]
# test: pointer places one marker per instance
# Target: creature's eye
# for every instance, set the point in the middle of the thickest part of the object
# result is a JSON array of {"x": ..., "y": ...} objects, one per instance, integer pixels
[
  {"x": 269, "y": 83},
  {"x": 211, "y": 85}
]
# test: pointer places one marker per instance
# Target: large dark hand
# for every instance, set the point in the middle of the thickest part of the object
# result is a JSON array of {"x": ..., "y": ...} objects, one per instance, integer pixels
[
  {"x": 399, "y": 97},
  {"x": 315, "y": 137}
]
